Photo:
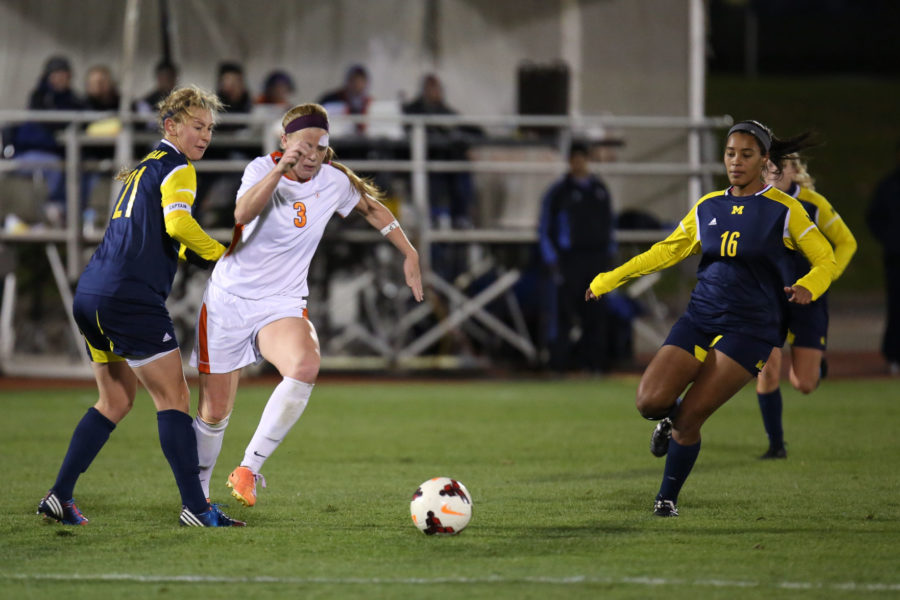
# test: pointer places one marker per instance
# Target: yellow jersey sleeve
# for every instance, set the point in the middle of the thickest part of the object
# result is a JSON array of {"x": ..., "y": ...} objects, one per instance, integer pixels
[
  {"x": 177, "y": 191},
  {"x": 802, "y": 234},
  {"x": 834, "y": 229},
  {"x": 681, "y": 243}
]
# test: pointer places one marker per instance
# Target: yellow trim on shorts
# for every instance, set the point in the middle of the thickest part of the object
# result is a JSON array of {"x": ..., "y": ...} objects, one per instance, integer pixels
[
  {"x": 700, "y": 353},
  {"x": 102, "y": 356}
]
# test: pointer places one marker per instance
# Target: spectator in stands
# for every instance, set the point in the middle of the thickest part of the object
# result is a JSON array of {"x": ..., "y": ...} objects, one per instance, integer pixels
[
  {"x": 450, "y": 194},
  {"x": 352, "y": 98},
  {"x": 232, "y": 91},
  {"x": 100, "y": 89},
  {"x": 101, "y": 94},
  {"x": 883, "y": 218},
  {"x": 277, "y": 90},
  {"x": 575, "y": 235},
  {"x": 215, "y": 191},
  {"x": 37, "y": 142},
  {"x": 166, "y": 76}
]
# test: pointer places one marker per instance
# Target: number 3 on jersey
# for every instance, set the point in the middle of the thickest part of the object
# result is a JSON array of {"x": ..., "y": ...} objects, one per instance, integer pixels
[
  {"x": 729, "y": 243},
  {"x": 131, "y": 183},
  {"x": 300, "y": 219}
]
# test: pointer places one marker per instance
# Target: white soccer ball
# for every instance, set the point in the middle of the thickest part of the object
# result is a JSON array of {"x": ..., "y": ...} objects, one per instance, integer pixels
[{"x": 441, "y": 506}]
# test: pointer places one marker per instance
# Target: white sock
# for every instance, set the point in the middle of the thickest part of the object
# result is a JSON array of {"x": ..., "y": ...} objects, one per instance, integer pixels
[
  {"x": 209, "y": 444},
  {"x": 284, "y": 407}
]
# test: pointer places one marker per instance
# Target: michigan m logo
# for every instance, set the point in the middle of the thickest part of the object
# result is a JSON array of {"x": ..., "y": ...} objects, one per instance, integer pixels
[{"x": 737, "y": 210}]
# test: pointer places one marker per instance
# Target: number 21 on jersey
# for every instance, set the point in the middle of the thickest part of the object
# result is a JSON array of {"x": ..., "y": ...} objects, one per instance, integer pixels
[{"x": 130, "y": 184}]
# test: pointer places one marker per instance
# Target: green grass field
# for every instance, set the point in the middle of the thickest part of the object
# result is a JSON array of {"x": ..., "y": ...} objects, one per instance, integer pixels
[{"x": 560, "y": 474}]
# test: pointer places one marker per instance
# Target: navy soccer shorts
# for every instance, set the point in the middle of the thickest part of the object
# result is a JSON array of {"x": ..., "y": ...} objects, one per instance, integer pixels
[
  {"x": 808, "y": 324},
  {"x": 749, "y": 352},
  {"x": 115, "y": 329}
]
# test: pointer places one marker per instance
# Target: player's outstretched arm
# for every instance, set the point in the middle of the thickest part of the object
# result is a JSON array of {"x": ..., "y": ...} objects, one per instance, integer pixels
[
  {"x": 680, "y": 244},
  {"x": 379, "y": 217}
]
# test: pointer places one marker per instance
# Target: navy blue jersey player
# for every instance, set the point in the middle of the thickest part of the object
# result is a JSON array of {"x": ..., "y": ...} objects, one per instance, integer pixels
[
  {"x": 807, "y": 324},
  {"x": 120, "y": 307},
  {"x": 736, "y": 312}
]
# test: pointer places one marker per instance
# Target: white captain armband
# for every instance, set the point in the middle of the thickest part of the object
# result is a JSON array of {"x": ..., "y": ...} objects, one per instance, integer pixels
[
  {"x": 390, "y": 227},
  {"x": 176, "y": 206}
]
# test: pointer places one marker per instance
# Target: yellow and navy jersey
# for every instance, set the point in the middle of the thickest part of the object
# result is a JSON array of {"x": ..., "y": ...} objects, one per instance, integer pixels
[
  {"x": 830, "y": 224},
  {"x": 150, "y": 221},
  {"x": 743, "y": 240}
]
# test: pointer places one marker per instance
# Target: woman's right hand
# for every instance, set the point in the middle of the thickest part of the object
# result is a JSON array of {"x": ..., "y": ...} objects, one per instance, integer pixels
[{"x": 290, "y": 156}]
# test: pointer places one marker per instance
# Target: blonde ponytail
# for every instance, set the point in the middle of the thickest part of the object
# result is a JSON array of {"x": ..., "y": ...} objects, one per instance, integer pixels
[
  {"x": 363, "y": 185},
  {"x": 802, "y": 178}
]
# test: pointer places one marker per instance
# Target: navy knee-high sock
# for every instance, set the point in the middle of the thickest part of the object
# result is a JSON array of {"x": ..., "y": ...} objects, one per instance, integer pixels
[
  {"x": 179, "y": 445},
  {"x": 679, "y": 462},
  {"x": 770, "y": 406},
  {"x": 88, "y": 438}
]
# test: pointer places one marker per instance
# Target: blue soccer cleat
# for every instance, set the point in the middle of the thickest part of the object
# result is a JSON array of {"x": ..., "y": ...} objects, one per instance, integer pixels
[
  {"x": 774, "y": 452},
  {"x": 665, "y": 508},
  {"x": 51, "y": 507},
  {"x": 214, "y": 517},
  {"x": 659, "y": 440}
]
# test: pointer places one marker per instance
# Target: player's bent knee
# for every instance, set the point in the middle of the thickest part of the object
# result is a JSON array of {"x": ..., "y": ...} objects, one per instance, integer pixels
[
  {"x": 306, "y": 370},
  {"x": 767, "y": 381},
  {"x": 806, "y": 386},
  {"x": 653, "y": 406},
  {"x": 214, "y": 415},
  {"x": 114, "y": 411},
  {"x": 179, "y": 399}
]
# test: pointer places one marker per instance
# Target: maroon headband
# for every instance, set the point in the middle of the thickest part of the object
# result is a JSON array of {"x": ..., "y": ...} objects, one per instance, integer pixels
[{"x": 307, "y": 121}]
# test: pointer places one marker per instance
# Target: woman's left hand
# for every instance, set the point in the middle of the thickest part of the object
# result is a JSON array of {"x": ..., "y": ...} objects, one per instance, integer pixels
[
  {"x": 798, "y": 294},
  {"x": 413, "y": 277}
]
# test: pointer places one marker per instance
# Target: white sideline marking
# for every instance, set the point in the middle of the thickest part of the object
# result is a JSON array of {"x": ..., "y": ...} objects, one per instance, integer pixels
[{"x": 577, "y": 579}]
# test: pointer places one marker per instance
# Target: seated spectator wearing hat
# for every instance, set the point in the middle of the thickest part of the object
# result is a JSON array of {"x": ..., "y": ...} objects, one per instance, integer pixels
[
  {"x": 277, "y": 90},
  {"x": 352, "y": 98},
  {"x": 36, "y": 142}
]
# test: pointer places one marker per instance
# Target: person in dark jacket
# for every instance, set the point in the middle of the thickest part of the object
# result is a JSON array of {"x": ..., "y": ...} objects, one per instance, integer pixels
[
  {"x": 883, "y": 218},
  {"x": 575, "y": 235},
  {"x": 450, "y": 194},
  {"x": 36, "y": 142},
  {"x": 352, "y": 98}
]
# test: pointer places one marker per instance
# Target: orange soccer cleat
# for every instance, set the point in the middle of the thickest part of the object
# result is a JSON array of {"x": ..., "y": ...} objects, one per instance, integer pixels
[{"x": 242, "y": 482}]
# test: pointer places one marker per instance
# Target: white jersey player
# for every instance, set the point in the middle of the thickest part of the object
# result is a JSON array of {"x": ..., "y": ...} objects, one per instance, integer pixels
[{"x": 254, "y": 306}]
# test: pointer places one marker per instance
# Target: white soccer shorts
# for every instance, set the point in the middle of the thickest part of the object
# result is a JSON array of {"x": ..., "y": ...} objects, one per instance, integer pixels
[{"x": 228, "y": 325}]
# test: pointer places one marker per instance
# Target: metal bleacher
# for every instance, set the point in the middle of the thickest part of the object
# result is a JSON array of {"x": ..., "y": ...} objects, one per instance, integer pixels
[{"x": 368, "y": 320}]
